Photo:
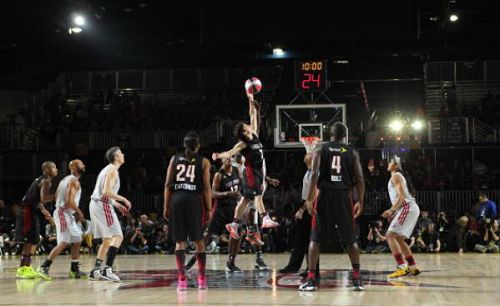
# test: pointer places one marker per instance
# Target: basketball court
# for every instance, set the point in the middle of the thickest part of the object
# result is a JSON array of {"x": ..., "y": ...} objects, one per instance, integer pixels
[{"x": 452, "y": 279}]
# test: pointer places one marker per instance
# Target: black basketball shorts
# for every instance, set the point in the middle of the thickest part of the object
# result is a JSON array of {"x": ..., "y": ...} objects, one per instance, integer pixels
[
  {"x": 334, "y": 216},
  {"x": 28, "y": 225},
  {"x": 252, "y": 184},
  {"x": 186, "y": 214},
  {"x": 222, "y": 215}
]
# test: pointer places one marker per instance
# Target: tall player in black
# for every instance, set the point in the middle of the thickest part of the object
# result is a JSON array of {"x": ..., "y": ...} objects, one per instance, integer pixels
[
  {"x": 28, "y": 220},
  {"x": 254, "y": 175},
  {"x": 336, "y": 170},
  {"x": 187, "y": 189},
  {"x": 226, "y": 190}
]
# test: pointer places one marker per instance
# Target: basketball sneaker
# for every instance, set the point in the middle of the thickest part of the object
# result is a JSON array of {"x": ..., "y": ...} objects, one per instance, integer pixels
[
  {"x": 261, "y": 265},
  {"x": 309, "y": 285},
  {"x": 254, "y": 238},
  {"x": 414, "y": 271},
  {"x": 232, "y": 268},
  {"x": 182, "y": 285},
  {"x": 43, "y": 272},
  {"x": 78, "y": 274},
  {"x": 202, "y": 283},
  {"x": 267, "y": 222},
  {"x": 232, "y": 228},
  {"x": 26, "y": 273},
  {"x": 108, "y": 274},
  {"x": 95, "y": 274},
  {"x": 400, "y": 271},
  {"x": 357, "y": 285}
]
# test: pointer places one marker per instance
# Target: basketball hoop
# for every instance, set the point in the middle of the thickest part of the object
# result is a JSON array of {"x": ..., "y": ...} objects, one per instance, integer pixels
[{"x": 309, "y": 142}]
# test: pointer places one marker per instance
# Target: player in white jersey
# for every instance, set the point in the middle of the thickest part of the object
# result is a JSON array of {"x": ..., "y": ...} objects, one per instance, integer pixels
[
  {"x": 105, "y": 223},
  {"x": 404, "y": 213},
  {"x": 67, "y": 200}
]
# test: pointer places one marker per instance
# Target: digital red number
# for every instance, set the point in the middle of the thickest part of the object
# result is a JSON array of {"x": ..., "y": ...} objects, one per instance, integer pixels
[
  {"x": 308, "y": 77},
  {"x": 316, "y": 80}
]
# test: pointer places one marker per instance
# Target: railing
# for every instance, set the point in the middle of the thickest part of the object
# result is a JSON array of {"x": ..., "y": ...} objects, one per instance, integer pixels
[
  {"x": 482, "y": 132},
  {"x": 460, "y": 130}
]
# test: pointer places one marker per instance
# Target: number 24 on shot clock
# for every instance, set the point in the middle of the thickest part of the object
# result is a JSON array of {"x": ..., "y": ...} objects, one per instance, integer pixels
[{"x": 310, "y": 76}]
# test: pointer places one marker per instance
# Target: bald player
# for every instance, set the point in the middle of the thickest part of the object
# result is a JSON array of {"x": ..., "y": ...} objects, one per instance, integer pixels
[{"x": 68, "y": 233}]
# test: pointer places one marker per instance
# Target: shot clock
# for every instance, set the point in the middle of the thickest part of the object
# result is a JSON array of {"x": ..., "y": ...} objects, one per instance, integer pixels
[{"x": 310, "y": 76}]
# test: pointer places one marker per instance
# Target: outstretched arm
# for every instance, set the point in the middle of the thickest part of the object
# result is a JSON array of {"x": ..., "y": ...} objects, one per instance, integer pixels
[
  {"x": 253, "y": 112},
  {"x": 235, "y": 150}
]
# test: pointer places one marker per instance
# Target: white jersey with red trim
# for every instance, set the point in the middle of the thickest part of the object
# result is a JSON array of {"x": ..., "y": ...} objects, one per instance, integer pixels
[
  {"x": 98, "y": 193},
  {"x": 393, "y": 193},
  {"x": 406, "y": 216},
  {"x": 62, "y": 193},
  {"x": 105, "y": 223}
]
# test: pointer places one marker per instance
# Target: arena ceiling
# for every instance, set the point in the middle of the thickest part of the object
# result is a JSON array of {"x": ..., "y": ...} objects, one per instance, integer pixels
[{"x": 35, "y": 42}]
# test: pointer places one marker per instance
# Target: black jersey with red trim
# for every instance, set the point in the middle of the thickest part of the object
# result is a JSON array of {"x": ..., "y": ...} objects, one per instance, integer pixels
[
  {"x": 337, "y": 167},
  {"x": 188, "y": 173},
  {"x": 229, "y": 182},
  {"x": 253, "y": 153},
  {"x": 32, "y": 196}
]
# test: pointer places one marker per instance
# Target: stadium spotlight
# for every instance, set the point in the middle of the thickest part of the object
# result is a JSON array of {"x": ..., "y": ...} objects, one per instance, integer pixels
[
  {"x": 417, "y": 125},
  {"x": 453, "y": 17},
  {"x": 396, "y": 125},
  {"x": 74, "y": 30},
  {"x": 79, "y": 20},
  {"x": 278, "y": 52}
]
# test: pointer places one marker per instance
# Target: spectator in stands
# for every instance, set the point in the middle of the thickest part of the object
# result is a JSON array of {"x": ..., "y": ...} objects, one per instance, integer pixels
[
  {"x": 424, "y": 221},
  {"x": 138, "y": 244},
  {"x": 49, "y": 240},
  {"x": 487, "y": 209},
  {"x": 376, "y": 238},
  {"x": 491, "y": 238},
  {"x": 456, "y": 235},
  {"x": 137, "y": 178},
  {"x": 429, "y": 241},
  {"x": 442, "y": 225}
]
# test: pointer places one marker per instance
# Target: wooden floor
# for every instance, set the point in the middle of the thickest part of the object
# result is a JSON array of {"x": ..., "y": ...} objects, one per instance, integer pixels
[{"x": 451, "y": 279}]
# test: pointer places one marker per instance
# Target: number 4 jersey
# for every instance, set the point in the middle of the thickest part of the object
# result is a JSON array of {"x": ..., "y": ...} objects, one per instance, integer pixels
[
  {"x": 188, "y": 173},
  {"x": 337, "y": 167}
]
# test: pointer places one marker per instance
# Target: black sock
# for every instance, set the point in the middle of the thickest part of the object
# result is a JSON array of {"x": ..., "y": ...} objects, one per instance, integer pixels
[
  {"x": 111, "y": 256},
  {"x": 202, "y": 260},
  {"x": 263, "y": 214},
  {"x": 98, "y": 263},
  {"x": 258, "y": 253},
  {"x": 74, "y": 265},
  {"x": 236, "y": 220},
  {"x": 46, "y": 263},
  {"x": 231, "y": 260}
]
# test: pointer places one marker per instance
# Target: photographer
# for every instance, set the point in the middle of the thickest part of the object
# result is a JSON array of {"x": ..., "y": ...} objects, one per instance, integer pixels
[
  {"x": 491, "y": 238},
  {"x": 429, "y": 240},
  {"x": 442, "y": 225},
  {"x": 376, "y": 238},
  {"x": 138, "y": 243}
]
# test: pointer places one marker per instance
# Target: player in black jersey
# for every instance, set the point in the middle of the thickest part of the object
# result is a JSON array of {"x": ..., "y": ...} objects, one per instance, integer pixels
[
  {"x": 226, "y": 190},
  {"x": 254, "y": 175},
  {"x": 28, "y": 220},
  {"x": 336, "y": 170},
  {"x": 187, "y": 189}
]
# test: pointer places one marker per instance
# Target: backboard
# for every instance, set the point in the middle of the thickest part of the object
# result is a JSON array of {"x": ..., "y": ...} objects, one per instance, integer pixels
[{"x": 295, "y": 121}]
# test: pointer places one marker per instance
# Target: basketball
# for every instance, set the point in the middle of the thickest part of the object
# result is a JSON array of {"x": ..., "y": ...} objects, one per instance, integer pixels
[{"x": 253, "y": 86}]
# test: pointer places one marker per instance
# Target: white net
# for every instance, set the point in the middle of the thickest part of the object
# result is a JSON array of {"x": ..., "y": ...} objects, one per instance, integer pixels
[{"x": 309, "y": 143}]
